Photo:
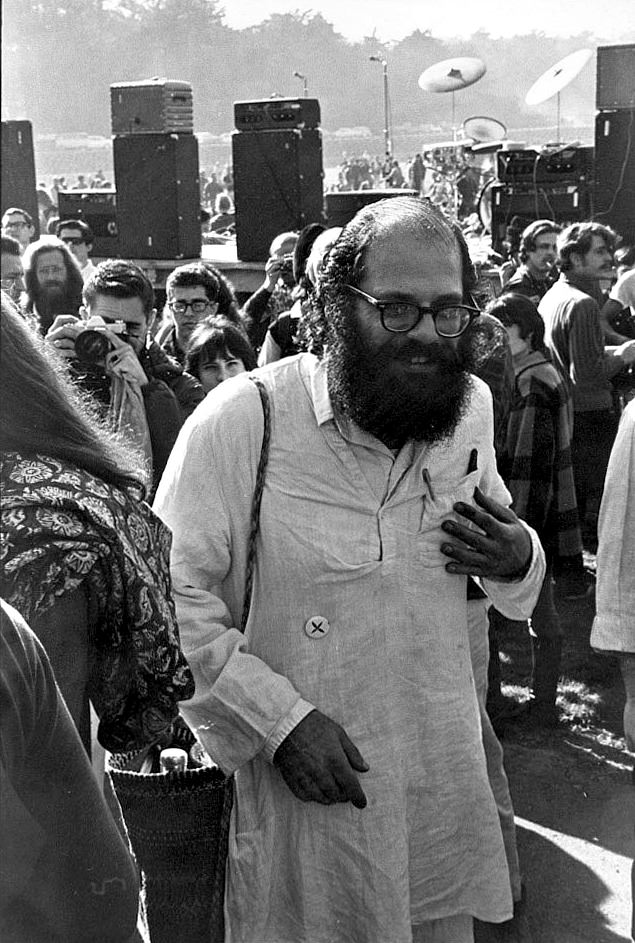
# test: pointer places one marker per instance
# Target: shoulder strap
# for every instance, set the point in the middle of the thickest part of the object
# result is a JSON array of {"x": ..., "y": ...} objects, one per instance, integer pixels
[{"x": 254, "y": 521}]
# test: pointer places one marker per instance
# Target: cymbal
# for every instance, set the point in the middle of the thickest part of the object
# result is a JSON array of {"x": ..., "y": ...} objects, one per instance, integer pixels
[
  {"x": 557, "y": 77},
  {"x": 482, "y": 128},
  {"x": 452, "y": 74}
]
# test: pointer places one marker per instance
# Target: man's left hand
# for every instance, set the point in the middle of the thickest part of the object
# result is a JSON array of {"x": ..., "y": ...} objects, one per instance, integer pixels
[
  {"x": 123, "y": 362},
  {"x": 499, "y": 550}
]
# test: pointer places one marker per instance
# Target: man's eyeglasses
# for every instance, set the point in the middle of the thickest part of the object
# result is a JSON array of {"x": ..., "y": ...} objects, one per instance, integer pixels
[
  {"x": 73, "y": 240},
  {"x": 198, "y": 306},
  {"x": 399, "y": 317},
  {"x": 16, "y": 224}
]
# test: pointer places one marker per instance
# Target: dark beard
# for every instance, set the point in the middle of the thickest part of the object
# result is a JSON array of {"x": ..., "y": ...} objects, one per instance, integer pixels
[
  {"x": 395, "y": 407},
  {"x": 51, "y": 302}
]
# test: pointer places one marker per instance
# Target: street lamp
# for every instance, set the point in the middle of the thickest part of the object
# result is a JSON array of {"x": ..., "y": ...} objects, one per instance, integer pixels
[
  {"x": 387, "y": 142},
  {"x": 298, "y": 75}
]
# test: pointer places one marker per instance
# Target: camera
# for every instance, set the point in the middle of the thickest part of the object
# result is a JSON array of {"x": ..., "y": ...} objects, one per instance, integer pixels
[
  {"x": 286, "y": 265},
  {"x": 93, "y": 344}
]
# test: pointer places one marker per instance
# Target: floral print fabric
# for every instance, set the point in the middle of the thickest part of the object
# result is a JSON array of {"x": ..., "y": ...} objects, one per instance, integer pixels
[{"x": 63, "y": 528}]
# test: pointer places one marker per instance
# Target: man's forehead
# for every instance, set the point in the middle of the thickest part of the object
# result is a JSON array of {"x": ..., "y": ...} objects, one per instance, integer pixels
[
  {"x": 13, "y": 218},
  {"x": 50, "y": 257},
  {"x": 70, "y": 231},
  {"x": 392, "y": 241},
  {"x": 117, "y": 309},
  {"x": 188, "y": 291},
  {"x": 598, "y": 242}
]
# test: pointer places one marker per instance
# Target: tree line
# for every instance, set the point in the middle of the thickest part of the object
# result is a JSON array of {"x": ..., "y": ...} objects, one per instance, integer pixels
[{"x": 61, "y": 56}]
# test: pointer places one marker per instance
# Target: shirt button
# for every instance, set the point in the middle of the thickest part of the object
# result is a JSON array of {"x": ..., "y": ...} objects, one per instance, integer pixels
[{"x": 317, "y": 627}]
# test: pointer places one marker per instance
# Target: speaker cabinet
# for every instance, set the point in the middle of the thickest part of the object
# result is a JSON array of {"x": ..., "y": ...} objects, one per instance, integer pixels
[
  {"x": 564, "y": 204},
  {"x": 277, "y": 186},
  {"x": 158, "y": 199},
  {"x": 18, "y": 169},
  {"x": 614, "y": 202},
  {"x": 98, "y": 209},
  {"x": 615, "y": 87}
]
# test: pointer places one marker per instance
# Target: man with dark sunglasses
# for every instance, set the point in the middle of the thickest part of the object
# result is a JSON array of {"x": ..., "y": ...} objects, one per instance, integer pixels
[
  {"x": 79, "y": 238},
  {"x": 348, "y": 709}
]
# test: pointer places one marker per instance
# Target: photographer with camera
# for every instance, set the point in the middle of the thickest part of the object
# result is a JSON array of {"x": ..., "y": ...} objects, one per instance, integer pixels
[
  {"x": 111, "y": 354},
  {"x": 274, "y": 295}
]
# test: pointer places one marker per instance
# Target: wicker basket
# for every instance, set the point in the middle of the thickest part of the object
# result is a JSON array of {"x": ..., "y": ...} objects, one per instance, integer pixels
[{"x": 178, "y": 824}]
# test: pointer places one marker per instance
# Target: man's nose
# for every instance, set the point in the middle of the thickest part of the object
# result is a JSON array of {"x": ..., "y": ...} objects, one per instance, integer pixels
[
  {"x": 223, "y": 372},
  {"x": 425, "y": 330}
]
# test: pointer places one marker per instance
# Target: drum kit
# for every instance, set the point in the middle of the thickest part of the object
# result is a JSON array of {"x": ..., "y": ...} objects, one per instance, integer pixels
[{"x": 484, "y": 135}]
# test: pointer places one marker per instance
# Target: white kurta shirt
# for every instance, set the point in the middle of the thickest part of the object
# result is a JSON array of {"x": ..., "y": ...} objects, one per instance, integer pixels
[{"x": 349, "y": 543}]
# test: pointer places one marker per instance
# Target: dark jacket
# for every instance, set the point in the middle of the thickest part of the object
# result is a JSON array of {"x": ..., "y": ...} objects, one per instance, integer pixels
[{"x": 169, "y": 398}]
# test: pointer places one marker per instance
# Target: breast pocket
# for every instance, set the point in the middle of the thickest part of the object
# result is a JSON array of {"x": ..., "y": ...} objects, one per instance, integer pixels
[{"x": 437, "y": 507}]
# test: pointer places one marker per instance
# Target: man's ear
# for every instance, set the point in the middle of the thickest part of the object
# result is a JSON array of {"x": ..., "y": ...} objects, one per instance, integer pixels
[
  {"x": 151, "y": 319},
  {"x": 84, "y": 313}
]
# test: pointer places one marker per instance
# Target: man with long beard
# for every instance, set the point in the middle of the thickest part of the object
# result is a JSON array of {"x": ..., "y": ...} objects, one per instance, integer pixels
[
  {"x": 53, "y": 281},
  {"x": 363, "y": 812}
]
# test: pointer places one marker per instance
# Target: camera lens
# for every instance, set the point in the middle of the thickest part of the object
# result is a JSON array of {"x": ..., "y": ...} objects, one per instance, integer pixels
[{"x": 91, "y": 346}]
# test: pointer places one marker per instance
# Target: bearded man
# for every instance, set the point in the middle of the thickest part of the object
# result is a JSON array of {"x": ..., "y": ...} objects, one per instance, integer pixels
[
  {"x": 53, "y": 281},
  {"x": 348, "y": 710}
]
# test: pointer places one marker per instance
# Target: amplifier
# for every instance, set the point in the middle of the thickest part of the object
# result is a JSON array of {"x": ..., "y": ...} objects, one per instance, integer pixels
[
  {"x": 98, "y": 209},
  {"x": 270, "y": 114},
  {"x": 563, "y": 203},
  {"x": 615, "y": 86},
  {"x": 155, "y": 106},
  {"x": 573, "y": 163}
]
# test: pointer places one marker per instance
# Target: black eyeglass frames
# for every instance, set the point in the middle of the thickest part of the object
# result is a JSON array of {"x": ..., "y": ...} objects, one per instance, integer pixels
[{"x": 399, "y": 317}]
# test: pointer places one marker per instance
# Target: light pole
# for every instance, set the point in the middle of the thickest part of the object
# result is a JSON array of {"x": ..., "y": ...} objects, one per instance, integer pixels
[
  {"x": 298, "y": 75},
  {"x": 387, "y": 142}
]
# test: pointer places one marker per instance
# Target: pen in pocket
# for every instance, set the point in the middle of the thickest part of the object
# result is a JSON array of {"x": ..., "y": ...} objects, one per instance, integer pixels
[{"x": 473, "y": 462}]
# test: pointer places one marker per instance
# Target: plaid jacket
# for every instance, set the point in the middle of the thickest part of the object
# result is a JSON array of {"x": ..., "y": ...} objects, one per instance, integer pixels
[{"x": 536, "y": 460}]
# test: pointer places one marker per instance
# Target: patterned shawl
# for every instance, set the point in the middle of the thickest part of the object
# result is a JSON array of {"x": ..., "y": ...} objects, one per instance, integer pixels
[{"x": 63, "y": 528}]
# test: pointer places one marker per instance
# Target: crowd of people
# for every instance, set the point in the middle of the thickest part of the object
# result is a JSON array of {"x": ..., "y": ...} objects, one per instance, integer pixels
[
  {"x": 446, "y": 177},
  {"x": 434, "y": 471}
]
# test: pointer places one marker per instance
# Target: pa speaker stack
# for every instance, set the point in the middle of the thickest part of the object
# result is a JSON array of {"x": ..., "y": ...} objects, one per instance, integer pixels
[
  {"x": 18, "y": 169},
  {"x": 277, "y": 165},
  {"x": 156, "y": 170},
  {"x": 614, "y": 202}
]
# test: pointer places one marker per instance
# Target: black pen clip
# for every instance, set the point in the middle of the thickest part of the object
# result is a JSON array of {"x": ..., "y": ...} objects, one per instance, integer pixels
[{"x": 473, "y": 462}]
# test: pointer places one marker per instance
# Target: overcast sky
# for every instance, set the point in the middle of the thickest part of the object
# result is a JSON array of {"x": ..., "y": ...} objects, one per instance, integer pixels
[{"x": 393, "y": 19}]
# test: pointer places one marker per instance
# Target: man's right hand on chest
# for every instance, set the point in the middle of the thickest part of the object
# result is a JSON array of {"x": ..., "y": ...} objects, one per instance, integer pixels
[{"x": 319, "y": 762}]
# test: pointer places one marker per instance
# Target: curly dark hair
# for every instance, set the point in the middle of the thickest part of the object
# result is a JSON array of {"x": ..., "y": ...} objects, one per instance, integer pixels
[{"x": 325, "y": 311}]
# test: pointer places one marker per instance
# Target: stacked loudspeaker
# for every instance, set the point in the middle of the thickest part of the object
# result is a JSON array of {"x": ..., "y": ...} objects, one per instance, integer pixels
[
  {"x": 614, "y": 202},
  {"x": 156, "y": 170},
  {"x": 277, "y": 165},
  {"x": 18, "y": 169}
]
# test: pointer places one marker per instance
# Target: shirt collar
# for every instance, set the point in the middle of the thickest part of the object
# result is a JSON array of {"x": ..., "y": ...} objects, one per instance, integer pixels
[{"x": 315, "y": 373}]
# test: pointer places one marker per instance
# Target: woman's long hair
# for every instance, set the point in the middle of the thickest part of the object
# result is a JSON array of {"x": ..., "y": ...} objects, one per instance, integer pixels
[{"x": 43, "y": 412}]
